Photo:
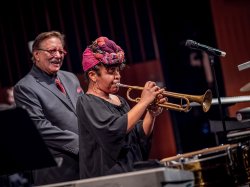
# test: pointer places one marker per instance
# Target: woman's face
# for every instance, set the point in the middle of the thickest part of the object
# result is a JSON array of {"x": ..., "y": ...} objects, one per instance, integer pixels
[{"x": 108, "y": 78}]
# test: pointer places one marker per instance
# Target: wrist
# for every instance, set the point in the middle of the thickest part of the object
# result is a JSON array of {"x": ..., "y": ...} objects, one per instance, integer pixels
[{"x": 154, "y": 113}]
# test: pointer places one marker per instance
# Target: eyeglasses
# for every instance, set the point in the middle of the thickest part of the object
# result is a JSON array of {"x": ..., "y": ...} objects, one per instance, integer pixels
[{"x": 53, "y": 52}]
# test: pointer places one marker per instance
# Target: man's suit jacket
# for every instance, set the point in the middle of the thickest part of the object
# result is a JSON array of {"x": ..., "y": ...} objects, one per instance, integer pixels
[{"x": 53, "y": 113}]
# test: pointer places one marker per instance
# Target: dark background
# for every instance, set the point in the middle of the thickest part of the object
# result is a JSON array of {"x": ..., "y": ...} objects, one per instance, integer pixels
[{"x": 145, "y": 29}]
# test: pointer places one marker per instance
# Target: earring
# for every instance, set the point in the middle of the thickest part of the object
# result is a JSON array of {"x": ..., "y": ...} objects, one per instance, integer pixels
[{"x": 95, "y": 87}]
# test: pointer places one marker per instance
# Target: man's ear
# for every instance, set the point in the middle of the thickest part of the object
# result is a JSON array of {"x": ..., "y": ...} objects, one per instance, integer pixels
[
  {"x": 92, "y": 76},
  {"x": 35, "y": 54}
]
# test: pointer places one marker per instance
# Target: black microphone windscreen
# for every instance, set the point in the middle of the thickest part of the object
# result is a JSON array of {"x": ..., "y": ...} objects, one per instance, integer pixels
[{"x": 195, "y": 45}]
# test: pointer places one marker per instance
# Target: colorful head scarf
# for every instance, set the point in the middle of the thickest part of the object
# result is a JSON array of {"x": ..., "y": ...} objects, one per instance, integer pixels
[{"x": 102, "y": 50}]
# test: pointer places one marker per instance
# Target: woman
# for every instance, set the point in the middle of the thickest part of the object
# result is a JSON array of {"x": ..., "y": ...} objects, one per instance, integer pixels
[{"x": 112, "y": 136}]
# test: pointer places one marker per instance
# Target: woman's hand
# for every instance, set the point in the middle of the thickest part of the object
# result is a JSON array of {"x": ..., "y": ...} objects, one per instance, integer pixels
[
  {"x": 154, "y": 109},
  {"x": 150, "y": 93}
]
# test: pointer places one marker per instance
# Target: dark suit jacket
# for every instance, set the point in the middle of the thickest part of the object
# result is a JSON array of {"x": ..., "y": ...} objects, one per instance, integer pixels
[{"x": 54, "y": 114}]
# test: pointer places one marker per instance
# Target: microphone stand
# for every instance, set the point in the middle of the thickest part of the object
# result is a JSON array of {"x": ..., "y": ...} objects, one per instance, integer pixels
[{"x": 223, "y": 136}]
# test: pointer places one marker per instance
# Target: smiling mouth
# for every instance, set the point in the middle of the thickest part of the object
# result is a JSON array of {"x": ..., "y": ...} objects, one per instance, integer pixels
[{"x": 56, "y": 62}]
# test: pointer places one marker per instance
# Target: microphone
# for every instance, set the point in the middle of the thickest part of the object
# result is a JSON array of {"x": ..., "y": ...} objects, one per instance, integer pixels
[{"x": 195, "y": 45}]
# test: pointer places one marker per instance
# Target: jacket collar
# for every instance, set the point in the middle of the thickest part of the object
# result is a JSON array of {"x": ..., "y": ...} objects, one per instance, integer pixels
[{"x": 48, "y": 82}]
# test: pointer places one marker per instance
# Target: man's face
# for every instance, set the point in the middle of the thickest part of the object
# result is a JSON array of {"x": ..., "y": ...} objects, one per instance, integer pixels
[{"x": 49, "y": 57}]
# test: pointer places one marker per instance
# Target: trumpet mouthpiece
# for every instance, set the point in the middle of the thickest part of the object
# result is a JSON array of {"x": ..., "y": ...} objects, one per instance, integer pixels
[{"x": 121, "y": 85}]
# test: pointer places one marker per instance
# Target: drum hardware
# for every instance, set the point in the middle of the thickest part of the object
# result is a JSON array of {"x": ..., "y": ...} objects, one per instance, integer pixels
[
  {"x": 222, "y": 165},
  {"x": 240, "y": 163}
]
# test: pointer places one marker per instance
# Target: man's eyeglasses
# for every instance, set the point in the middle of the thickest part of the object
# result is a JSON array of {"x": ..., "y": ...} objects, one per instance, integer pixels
[{"x": 54, "y": 51}]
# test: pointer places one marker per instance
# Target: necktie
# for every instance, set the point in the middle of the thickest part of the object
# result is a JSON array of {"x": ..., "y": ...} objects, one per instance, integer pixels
[{"x": 60, "y": 86}]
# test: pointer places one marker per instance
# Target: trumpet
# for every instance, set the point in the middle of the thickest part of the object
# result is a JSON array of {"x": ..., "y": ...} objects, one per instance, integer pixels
[{"x": 204, "y": 100}]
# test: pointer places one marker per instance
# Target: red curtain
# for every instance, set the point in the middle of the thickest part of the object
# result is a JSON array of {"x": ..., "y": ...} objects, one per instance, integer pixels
[{"x": 232, "y": 25}]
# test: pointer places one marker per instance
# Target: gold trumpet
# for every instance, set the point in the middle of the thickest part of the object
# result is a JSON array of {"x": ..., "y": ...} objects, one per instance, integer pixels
[{"x": 204, "y": 100}]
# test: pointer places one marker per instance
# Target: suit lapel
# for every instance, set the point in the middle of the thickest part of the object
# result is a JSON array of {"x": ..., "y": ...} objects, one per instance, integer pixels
[
  {"x": 48, "y": 83},
  {"x": 67, "y": 87}
]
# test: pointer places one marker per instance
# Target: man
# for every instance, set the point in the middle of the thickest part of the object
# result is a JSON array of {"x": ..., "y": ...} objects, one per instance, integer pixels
[{"x": 52, "y": 108}]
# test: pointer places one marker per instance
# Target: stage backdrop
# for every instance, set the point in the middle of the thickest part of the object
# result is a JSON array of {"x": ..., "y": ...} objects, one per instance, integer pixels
[{"x": 232, "y": 24}]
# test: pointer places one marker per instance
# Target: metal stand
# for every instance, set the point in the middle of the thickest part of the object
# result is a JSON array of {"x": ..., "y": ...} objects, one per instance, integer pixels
[
  {"x": 243, "y": 66},
  {"x": 223, "y": 136}
]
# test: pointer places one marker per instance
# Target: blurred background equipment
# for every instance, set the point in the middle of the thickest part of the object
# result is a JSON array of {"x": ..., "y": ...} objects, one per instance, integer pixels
[
  {"x": 22, "y": 147},
  {"x": 244, "y": 66},
  {"x": 7, "y": 98},
  {"x": 243, "y": 115}
]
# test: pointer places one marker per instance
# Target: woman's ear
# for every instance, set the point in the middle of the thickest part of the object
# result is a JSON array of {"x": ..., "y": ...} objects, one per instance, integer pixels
[{"x": 92, "y": 76}]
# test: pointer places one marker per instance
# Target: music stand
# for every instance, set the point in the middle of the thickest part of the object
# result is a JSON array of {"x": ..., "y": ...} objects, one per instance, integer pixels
[{"x": 22, "y": 147}]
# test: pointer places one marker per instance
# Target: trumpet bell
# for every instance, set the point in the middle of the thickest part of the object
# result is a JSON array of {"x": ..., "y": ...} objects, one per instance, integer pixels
[
  {"x": 207, "y": 100},
  {"x": 204, "y": 100}
]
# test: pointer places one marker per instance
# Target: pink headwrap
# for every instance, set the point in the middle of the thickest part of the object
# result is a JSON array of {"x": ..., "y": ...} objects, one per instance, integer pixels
[{"x": 102, "y": 50}]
